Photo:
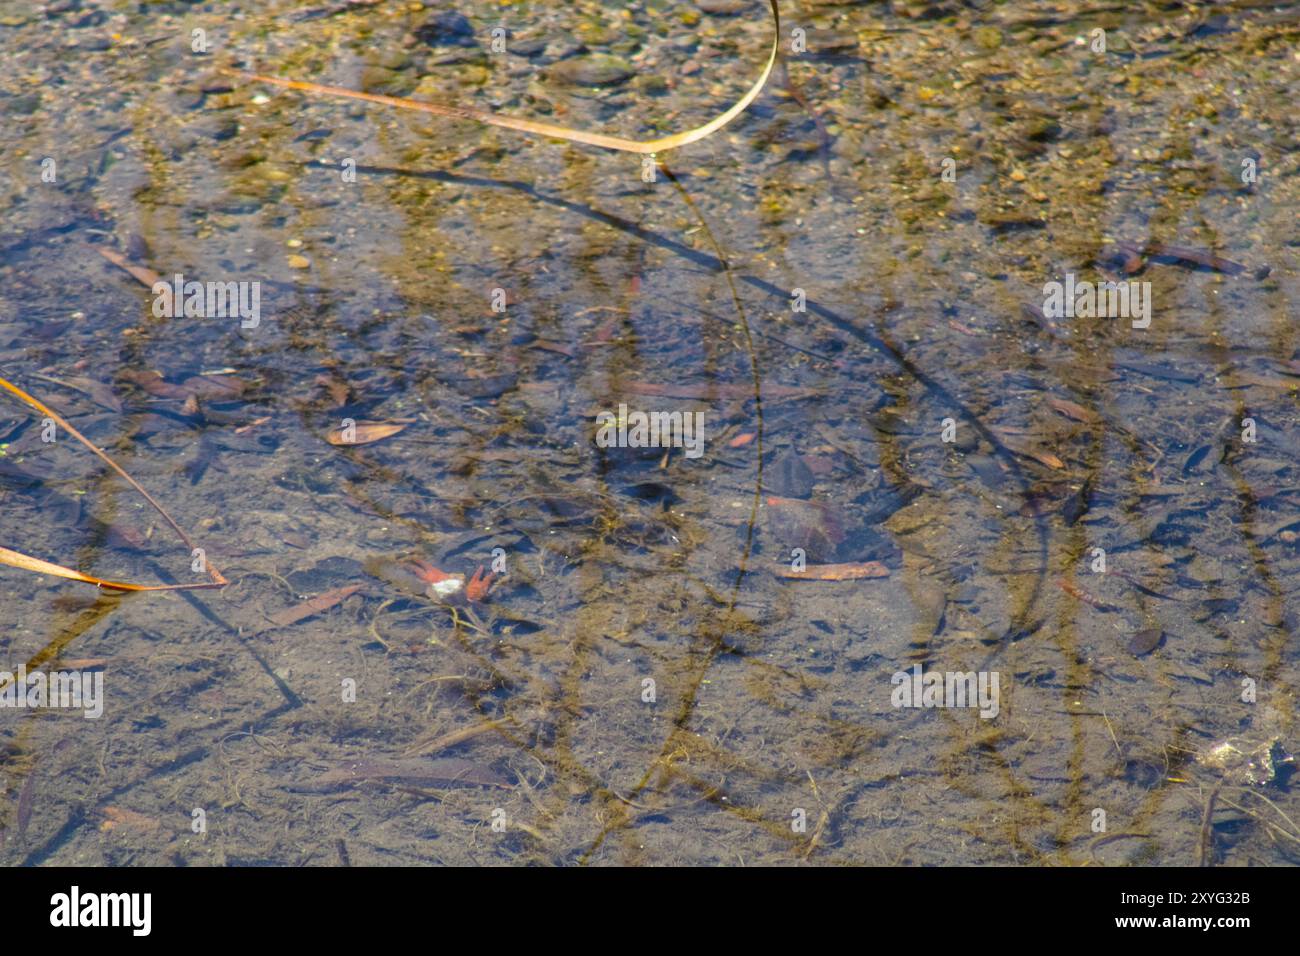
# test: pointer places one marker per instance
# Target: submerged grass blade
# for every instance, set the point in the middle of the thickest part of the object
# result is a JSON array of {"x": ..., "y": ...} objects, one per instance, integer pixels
[
  {"x": 17, "y": 559},
  {"x": 663, "y": 144}
]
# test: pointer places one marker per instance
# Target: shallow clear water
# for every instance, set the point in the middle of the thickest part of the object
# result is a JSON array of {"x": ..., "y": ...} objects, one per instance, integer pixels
[{"x": 916, "y": 413}]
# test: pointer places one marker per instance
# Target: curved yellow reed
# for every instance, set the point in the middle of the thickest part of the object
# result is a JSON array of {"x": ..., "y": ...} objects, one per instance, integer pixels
[{"x": 663, "y": 144}]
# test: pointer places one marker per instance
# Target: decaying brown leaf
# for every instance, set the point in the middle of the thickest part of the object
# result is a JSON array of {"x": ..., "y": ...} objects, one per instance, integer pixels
[
  {"x": 322, "y": 602},
  {"x": 1072, "y": 410},
  {"x": 100, "y": 392},
  {"x": 1045, "y": 458},
  {"x": 834, "y": 572},
  {"x": 82, "y": 663},
  {"x": 363, "y": 433},
  {"x": 122, "y": 817},
  {"x": 153, "y": 383},
  {"x": 146, "y": 277},
  {"x": 1009, "y": 438},
  {"x": 218, "y": 388}
]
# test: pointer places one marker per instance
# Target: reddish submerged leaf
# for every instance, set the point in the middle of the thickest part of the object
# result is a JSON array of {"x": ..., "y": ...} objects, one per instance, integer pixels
[{"x": 322, "y": 602}]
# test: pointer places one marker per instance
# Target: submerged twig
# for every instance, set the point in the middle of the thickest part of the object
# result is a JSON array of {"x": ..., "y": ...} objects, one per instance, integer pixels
[{"x": 1205, "y": 856}]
